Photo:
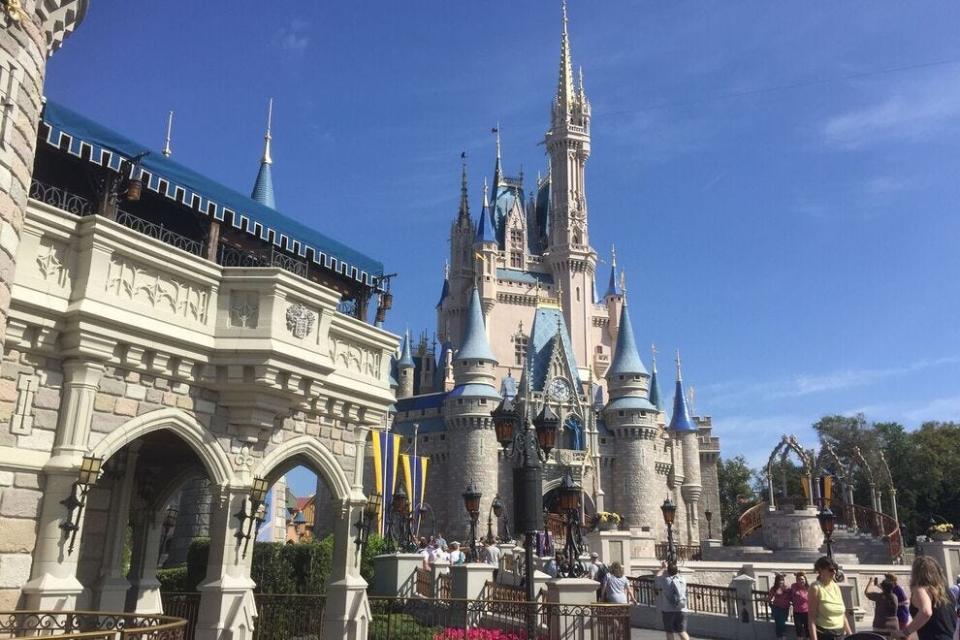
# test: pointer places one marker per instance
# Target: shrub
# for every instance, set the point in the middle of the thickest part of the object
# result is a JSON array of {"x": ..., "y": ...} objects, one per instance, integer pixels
[{"x": 174, "y": 579}]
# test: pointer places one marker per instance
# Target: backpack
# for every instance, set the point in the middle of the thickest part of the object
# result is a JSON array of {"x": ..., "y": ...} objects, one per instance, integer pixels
[
  {"x": 676, "y": 599},
  {"x": 602, "y": 579}
]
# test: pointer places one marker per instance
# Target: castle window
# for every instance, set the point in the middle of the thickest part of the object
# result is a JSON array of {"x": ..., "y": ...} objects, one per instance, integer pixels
[
  {"x": 519, "y": 349},
  {"x": 578, "y": 294},
  {"x": 603, "y": 441},
  {"x": 599, "y": 348},
  {"x": 483, "y": 401},
  {"x": 516, "y": 259},
  {"x": 621, "y": 413},
  {"x": 8, "y": 85}
]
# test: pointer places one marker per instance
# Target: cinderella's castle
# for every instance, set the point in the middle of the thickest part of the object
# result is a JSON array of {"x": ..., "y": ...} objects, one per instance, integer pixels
[{"x": 520, "y": 312}]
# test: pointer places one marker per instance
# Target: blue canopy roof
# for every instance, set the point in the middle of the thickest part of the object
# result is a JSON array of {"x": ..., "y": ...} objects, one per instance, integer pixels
[
  {"x": 474, "y": 390},
  {"x": 526, "y": 277},
  {"x": 681, "y": 420},
  {"x": 406, "y": 358},
  {"x": 626, "y": 358},
  {"x": 85, "y": 138},
  {"x": 426, "y": 401},
  {"x": 613, "y": 287},
  {"x": 433, "y": 424},
  {"x": 475, "y": 345}
]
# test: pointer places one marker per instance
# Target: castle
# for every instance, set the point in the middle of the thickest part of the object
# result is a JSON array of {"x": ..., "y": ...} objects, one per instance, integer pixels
[{"x": 520, "y": 313}]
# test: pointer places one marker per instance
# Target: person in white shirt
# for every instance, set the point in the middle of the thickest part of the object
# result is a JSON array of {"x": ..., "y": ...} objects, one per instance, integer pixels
[
  {"x": 456, "y": 556},
  {"x": 491, "y": 554},
  {"x": 593, "y": 569}
]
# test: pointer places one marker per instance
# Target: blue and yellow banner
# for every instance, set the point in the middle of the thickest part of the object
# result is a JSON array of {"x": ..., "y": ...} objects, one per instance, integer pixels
[
  {"x": 415, "y": 482},
  {"x": 386, "y": 450}
]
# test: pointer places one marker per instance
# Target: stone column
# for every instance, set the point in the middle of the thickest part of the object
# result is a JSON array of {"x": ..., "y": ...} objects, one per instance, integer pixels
[
  {"x": 113, "y": 584},
  {"x": 144, "y": 597},
  {"x": 893, "y": 505},
  {"x": 393, "y": 574},
  {"x": 227, "y": 607},
  {"x": 26, "y": 39},
  {"x": 53, "y": 580},
  {"x": 575, "y": 592},
  {"x": 346, "y": 613},
  {"x": 743, "y": 584}
]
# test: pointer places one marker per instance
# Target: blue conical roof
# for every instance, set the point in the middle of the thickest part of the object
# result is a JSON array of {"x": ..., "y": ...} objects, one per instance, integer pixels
[
  {"x": 613, "y": 288},
  {"x": 444, "y": 292},
  {"x": 406, "y": 358},
  {"x": 656, "y": 398},
  {"x": 626, "y": 359},
  {"x": 681, "y": 420},
  {"x": 485, "y": 230},
  {"x": 475, "y": 345},
  {"x": 263, "y": 187}
]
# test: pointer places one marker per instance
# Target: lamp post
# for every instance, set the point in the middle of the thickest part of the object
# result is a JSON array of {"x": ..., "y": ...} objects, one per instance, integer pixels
[
  {"x": 90, "y": 467},
  {"x": 423, "y": 509},
  {"x": 495, "y": 510},
  {"x": 669, "y": 510},
  {"x": 709, "y": 516},
  {"x": 827, "y": 520},
  {"x": 471, "y": 502},
  {"x": 499, "y": 512},
  {"x": 258, "y": 494},
  {"x": 569, "y": 502},
  {"x": 400, "y": 532},
  {"x": 365, "y": 521}
]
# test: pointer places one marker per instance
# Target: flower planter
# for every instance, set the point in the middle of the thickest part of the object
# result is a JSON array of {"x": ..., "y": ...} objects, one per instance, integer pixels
[
  {"x": 608, "y": 526},
  {"x": 941, "y": 536}
]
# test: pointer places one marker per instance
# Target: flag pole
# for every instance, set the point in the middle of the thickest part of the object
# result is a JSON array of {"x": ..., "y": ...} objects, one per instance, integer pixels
[{"x": 414, "y": 473}]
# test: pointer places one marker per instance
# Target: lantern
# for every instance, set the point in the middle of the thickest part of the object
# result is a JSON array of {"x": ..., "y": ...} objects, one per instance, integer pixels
[
  {"x": 669, "y": 511},
  {"x": 401, "y": 503},
  {"x": 569, "y": 494},
  {"x": 546, "y": 424},
  {"x": 258, "y": 492},
  {"x": 89, "y": 470},
  {"x": 471, "y": 501},
  {"x": 504, "y": 419}
]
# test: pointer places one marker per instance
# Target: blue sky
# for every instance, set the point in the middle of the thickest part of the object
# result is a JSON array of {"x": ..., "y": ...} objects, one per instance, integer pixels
[{"x": 780, "y": 178}]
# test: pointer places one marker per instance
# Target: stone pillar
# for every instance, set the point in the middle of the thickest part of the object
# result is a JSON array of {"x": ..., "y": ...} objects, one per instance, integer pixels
[
  {"x": 574, "y": 592},
  {"x": 437, "y": 569},
  {"x": 468, "y": 580},
  {"x": 227, "y": 608},
  {"x": 692, "y": 487},
  {"x": 53, "y": 580},
  {"x": 393, "y": 574},
  {"x": 113, "y": 585},
  {"x": 144, "y": 596},
  {"x": 27, "y": 38},
  {"x": 743, "y": 584},
  {"x": 346, "y": 613},
  {"x": 893, "y": 505}
]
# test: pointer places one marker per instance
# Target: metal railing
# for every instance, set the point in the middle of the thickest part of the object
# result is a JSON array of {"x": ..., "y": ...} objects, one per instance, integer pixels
[
  {"x": 701, "y": 598},
  {"x": 231, "y": 257},
  {"x": 90, "y": 625},
  {"x": 60, "y": 198},
  {"x": 423, "y": 582},
  {"x": 451, "y": 619},
  {"x": 751, "y": 520},
  {"x": 508, "y": 593},
  {"x": 184, "y": 605},
  {"x": 159, "y": 232},
  {"x": 444, "y": 586},
  {"x": 761, "y": 605},
  {"x": 879, "y": 524},
  {"x": 288, "y": 615},
  {"x": 685, "y": 552}
]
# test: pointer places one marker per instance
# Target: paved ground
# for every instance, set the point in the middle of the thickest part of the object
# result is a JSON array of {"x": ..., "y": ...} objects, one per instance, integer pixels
[{"x": 649, "y": 634}]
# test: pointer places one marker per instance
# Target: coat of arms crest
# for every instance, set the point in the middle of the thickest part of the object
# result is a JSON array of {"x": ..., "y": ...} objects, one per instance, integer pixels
[{"x": 299, "y": 320}]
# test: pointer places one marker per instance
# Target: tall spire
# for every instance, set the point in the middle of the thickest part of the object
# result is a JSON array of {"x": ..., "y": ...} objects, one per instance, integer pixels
[
  {"x": 613, "y": 287},
  {"x": 626, "y": 357},
  {"x": 680, "y": 421},
  {"x": 445, "y": 290},
  {"x": 263, "y": 187},
  {"x": 464, "y": 212},
  {"x": 475, "y": 344},
  {"x": 406, "y": 356},
  {"x": 485, "y": 231},
  {"x": 656, "y": 398},
  {"x": 497, "y": 170},
  {"x": 167, "y": 151},
  {"x": 565, "y": 83}
]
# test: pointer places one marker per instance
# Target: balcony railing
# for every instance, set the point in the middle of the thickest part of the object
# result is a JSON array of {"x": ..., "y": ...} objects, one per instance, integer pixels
[
  {"x": 231, "y": 257},
  {"x": 685, "y": 552},
  {"x": 61, "y": 199},
  {"x": 159, "y": 232}
]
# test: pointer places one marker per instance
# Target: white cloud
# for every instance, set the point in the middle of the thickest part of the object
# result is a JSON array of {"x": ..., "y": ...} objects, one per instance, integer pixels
[
  {"x": 912, "y": 111},
  {"x": 293, "y": 37}
]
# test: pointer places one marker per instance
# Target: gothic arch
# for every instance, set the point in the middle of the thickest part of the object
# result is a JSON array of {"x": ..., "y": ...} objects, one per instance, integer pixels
[
  {"x": 313, "y": 452},
  {"x": 184, "y": 425}
]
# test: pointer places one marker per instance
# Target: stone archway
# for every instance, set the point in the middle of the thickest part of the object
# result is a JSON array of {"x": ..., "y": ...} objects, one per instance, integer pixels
[
  {"x": 789, "y": 445},
  {"x": 347, "y": 611}
]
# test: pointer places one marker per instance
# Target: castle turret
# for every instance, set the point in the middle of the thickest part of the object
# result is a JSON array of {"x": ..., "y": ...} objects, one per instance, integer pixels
[
  {"x": 405, "y": 369},
  {"x": 485, "y": 246},
  {"x": 263, "y": 187},
  {"x": 656, "y": 396},
  {"x": 684, "y": 429},
  {"x": 632, "y": 419},
  {"x": 613, "y": 298},
  {"x": 470, "y": 432}
]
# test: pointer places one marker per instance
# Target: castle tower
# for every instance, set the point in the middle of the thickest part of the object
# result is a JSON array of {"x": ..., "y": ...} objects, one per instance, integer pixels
[
  {"x": 263, "y": 187},
  {"x": 571, "y": 259},
  {"x": 656, "y": 397},
  {"x": 613, "y": 298},
  {"x": 485, "y": 248},
  {"x": 684, "y": 429},
  {"x": 470, "y": 436},
  {"x": 29, "y": 38},
  {"x": 460, "y": 274},
  {"x": 632, "y": 419},
  {"x": 405, "y": 369}
]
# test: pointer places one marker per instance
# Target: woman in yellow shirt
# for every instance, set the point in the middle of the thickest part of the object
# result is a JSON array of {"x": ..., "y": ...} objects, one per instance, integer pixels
[{"x": 828, "y": 619}]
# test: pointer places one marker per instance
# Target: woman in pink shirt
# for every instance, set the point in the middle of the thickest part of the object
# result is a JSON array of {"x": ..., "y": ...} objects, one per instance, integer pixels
[
  {"x": 801, "y": 607},
  {"x": 779, "y": 597}
]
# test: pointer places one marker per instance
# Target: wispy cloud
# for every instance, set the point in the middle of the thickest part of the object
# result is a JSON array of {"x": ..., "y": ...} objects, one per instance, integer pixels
[
  {"x": 293, "y": 37},
  {"x": 915, "y": 110}
]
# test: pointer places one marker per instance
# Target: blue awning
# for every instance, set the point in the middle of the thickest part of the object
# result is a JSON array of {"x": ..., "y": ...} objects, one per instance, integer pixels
[{"x": 89, "y": 140}]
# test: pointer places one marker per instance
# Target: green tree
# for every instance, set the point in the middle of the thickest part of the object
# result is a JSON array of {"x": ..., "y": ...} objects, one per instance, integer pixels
[{"x": 734, "y": 476}]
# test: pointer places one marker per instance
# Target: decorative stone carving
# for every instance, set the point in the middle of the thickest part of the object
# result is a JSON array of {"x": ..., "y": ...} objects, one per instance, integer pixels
[
  {"x": 242, "y": 458},
  {"x": 353, "y": 357},
  {"x": 299, "y": 320},
  {"x": 159, "y": 291},
  {"x": 52, "y": 263},
  {"x": 244, "y": 309},
  {"x": 21, "y": 422}
]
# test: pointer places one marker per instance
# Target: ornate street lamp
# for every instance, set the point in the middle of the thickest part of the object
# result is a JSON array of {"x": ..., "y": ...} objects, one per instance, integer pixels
[
  {"x": 365, "y": 521},
  {"x": 827, "y": 520},
  {"x": 90, "y": 467},
  {"x": 422, "y": 510},
  {"x": 400, "y": 532},
  {"x": 499, "y": 513},
  {"x": 471, "y": 502},
  {"x": 669, "y": 511},
  {"x": 709, "y": 516},
  {"x": 546, "y": 425},
  {"x": 569, "y": 503},
  {"x": 247, "y": 519}
]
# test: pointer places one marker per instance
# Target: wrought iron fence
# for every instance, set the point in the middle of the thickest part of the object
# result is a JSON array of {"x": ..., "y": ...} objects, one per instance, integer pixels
[
  {"x": 90, "y": 625},
  {"x": 444, "y": 587},
  {"x": 507, "y": 593},
  {"x": 685, "y": 552},
  {"x": 423, "y": 582},
  {"x": 159, "y": 232},
  {"x": 644, "y": 590},
  {"x": 761, "y": 605},
  {"x": 231, "y": 257},
  {"x": 60, "y": 198},
  {"x": 449, "y": 619},
  {"x": 701, "y": 598},
  {"x": 288, "y": 615},
  {"x": 184, "y": 605},
  {"x": 751, "y": 520}
]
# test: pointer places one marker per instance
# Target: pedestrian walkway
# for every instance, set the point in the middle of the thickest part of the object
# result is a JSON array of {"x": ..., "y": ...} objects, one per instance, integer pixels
[{"x": 650, "y": 634}]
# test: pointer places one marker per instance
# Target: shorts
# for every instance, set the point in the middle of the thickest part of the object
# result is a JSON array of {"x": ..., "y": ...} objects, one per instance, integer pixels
[
  {"x": 674, "y": 621},
  {"x": 829, "y": 634},
  {"x": 801, "y": 622}
]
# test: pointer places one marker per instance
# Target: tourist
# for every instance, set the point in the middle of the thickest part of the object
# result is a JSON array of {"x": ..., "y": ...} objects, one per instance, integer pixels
[
  {"x": 779, "y": 599},
  {"x": 884, "y": 606},
  {"x": 552, "y": 567},
  {"x": 456, "y": 556},
  {"x": 593, "y": 569},
  {"x": 424, "y": 552},
  {"x": 443, "y": 554},
  {"x": 801, "y": 605},
  {"x": 491, "y": 554},
  {"x": 616, "y": 588},
  {"x": 672, "y": 601},
  {"x": 903, "y": 601},
  {"x": 933, "y": 613},
  {"x": 827, "y": 611}
]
